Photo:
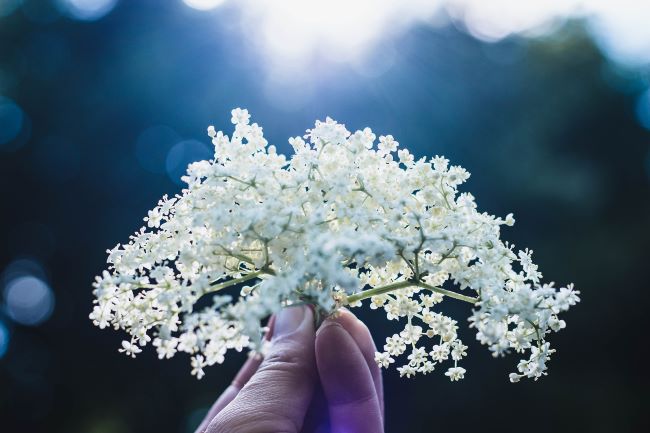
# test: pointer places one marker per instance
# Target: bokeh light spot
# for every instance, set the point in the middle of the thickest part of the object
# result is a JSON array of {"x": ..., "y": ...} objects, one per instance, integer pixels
[
  {"x": 11, "y": 121},
  {"x": 4, "y": 338},
  {"x": 86, "y": 10},
  {"x": 21, "y": 268},
  {"x": 340, "y": 30},
  {"x": 153, "y": 145},
  {"x": 182, "y": 154},
  {"x": 621, "y": 29},
  {"x": 203, "y": 5},
  {"x": 28, "y": 300},
  {"x": 643, "y": 109},
  {"x": 293, "y": 31}
]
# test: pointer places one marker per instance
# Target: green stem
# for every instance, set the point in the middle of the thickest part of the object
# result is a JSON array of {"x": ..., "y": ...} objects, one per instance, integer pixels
[
  {"x": 251, "y": 276},
  {"x": 449, "y": 293},
  {"x": 375, "y": 291},
  {"x": 378, "y": 291}
]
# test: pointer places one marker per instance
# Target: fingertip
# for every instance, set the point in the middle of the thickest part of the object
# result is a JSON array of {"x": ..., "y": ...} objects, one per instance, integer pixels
[
  {"x": 341, "y": 365},
  {"x": 277, "y": 395},
  {"x": 361, "y": 335},
  {"x": 347, "y": 380},
  {"x": 292, "y": 320},
  {"x": 352, "y": 324}
]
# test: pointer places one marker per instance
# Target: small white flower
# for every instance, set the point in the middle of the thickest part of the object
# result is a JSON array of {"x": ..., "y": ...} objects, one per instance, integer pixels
[
  {"x": 166, "y": 348},
  {"x": 427, "y": 367},
  {"x": 455, "y": 373},
  {"x": 395, "y": 345},
  {"x": 418, "y": 356},
  {"x": 556, "y": 324},
  {"x": 153, "y": 218},
  {"x": 405, "y": 157},
  {"x": 130, "y": 349},
  {"x": 197, "y": 366},
  {"x": 387, "y": 144},
  {"x": 458, "y": 350},
  {"x": 100, "y": 316},
  {"x": 429, "y": 301},
  {"x": 411, "y": 333},
  {"x": 406, "y": 370},
  {"x": 188, "y": 342},
  {"x": 565, "y": 298},
  {"x": 377, "y": 302},
  {"x": 383, "y": 359},
  {"x": 440, "y": 163},
  {"x": 440, "y": 352},
  {"x": 240, "y": 117}
]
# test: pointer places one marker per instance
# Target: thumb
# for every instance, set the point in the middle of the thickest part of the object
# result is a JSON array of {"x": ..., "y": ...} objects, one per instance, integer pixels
[{"x": 276, "y": 398}]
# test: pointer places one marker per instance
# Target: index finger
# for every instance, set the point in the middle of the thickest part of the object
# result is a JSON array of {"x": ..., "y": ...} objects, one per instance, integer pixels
[
  {"x": 347, "y": 381},
  {"x": 361, "y": 334}
]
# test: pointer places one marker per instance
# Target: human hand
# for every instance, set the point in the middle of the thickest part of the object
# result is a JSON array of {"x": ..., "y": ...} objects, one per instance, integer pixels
[{"x": 310, "y": 381}]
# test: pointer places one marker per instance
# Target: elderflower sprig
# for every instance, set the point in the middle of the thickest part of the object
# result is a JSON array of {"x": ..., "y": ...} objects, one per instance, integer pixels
[{"x": 337, "y": 223}]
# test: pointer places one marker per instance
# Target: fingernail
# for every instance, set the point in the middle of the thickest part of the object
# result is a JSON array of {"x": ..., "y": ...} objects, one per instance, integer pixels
[
  {"x": 288, "y": 320},
  {"x": 328, "y": 323}
]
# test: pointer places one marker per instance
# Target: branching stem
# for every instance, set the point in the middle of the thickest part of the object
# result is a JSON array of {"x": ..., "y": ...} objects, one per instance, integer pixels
[
  {"x": 235, "y": 281},
  {"x": 375, "y": 291}
]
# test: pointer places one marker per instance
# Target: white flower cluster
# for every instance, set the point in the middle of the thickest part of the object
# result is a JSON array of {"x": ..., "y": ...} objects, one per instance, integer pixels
[{"x": 341, "y": 221}]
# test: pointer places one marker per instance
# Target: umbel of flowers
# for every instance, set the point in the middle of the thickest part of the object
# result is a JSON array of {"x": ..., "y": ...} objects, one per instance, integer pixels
[{"x": 343, "y": 220}]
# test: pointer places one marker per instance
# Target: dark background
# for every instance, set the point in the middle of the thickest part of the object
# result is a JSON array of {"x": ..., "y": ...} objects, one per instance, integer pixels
[{"x": 549, "y": 128}]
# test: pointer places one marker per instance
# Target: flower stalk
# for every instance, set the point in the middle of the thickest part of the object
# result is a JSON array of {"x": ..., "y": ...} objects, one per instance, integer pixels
[{"x": 388, "y": 288}]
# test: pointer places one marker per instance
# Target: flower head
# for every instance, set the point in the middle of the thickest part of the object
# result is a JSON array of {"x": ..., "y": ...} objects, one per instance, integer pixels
[{"x": 340, "y": 221}]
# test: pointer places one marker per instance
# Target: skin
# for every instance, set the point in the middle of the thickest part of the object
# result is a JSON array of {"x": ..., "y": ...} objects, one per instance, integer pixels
[{"x": 311, "y": 381}]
